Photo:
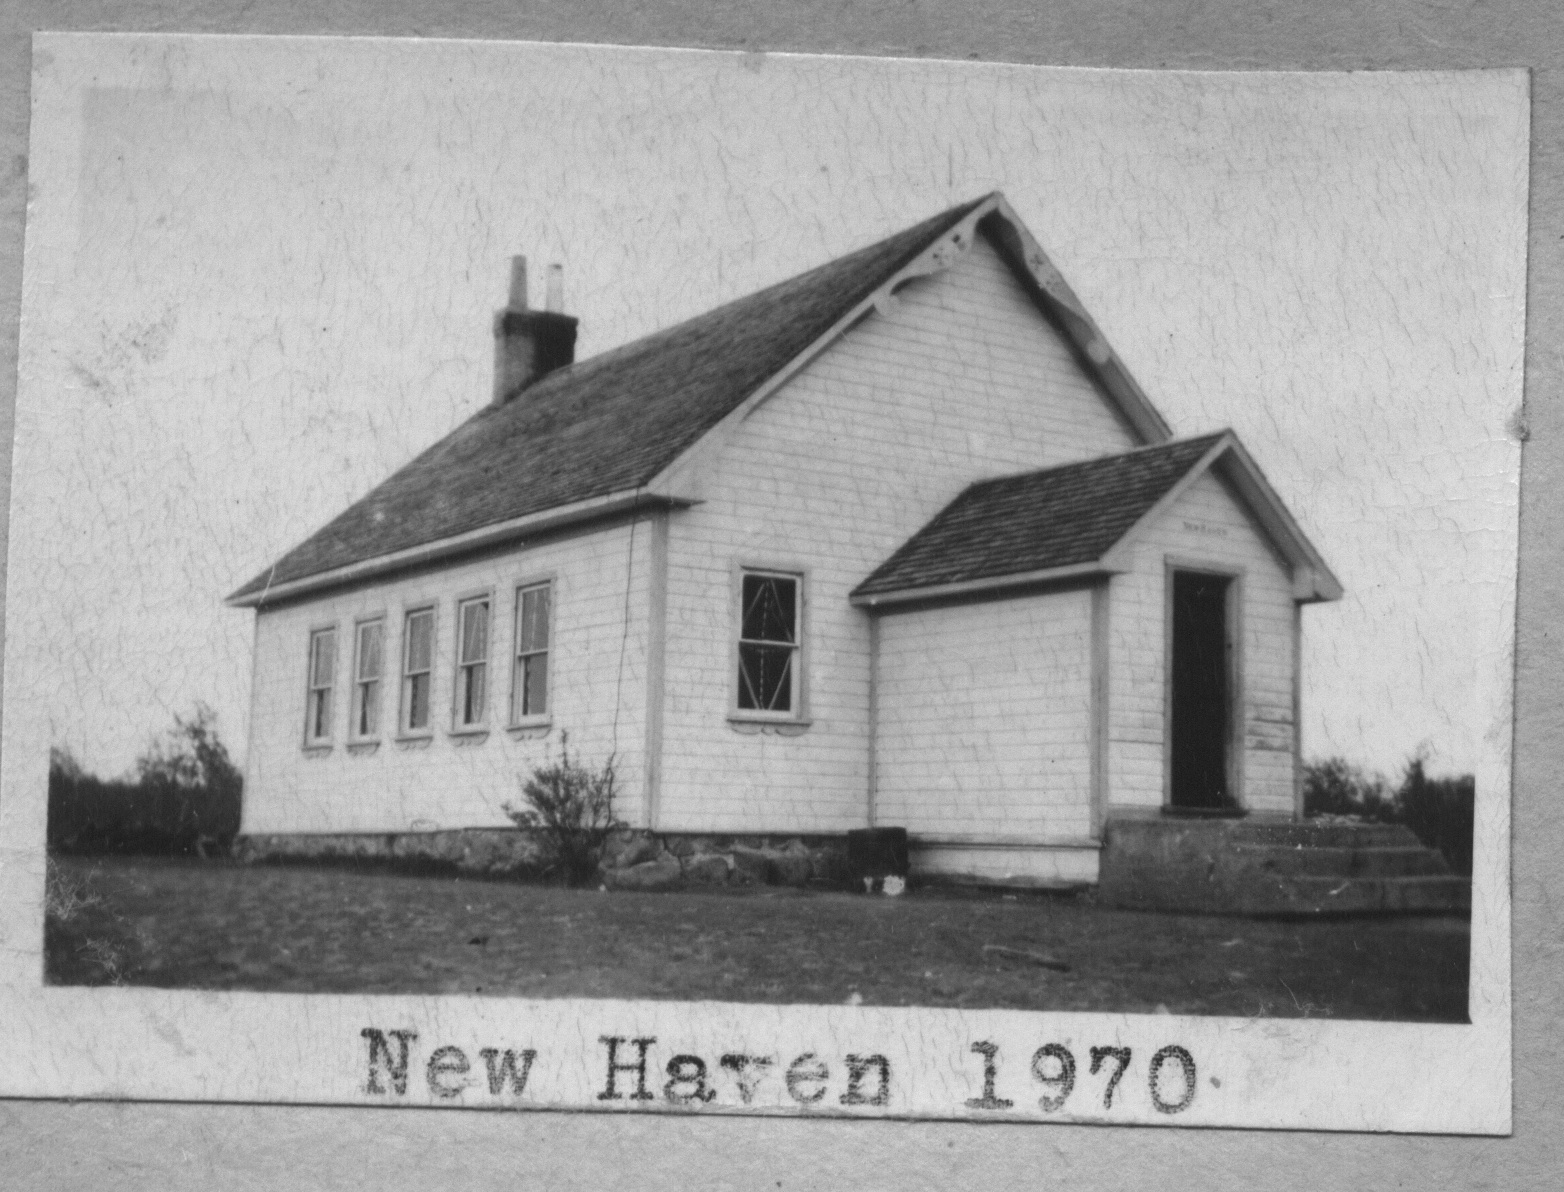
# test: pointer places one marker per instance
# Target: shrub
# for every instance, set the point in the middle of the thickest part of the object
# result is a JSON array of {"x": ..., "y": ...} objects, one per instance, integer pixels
[
  {"x": 570, "y": 807},
  {"x": 1335, "y": 786},
  {"x": 184, "y": 799},
  {"x": 1441, "y": 811},
  {"x": 1438, "y": 810}
]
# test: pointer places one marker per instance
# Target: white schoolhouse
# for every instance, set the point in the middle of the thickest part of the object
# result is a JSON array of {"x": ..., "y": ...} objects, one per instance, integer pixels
[{"x": 896, "y": 542}]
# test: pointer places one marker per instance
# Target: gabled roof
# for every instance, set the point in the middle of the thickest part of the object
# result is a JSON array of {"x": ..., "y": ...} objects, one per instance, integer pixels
[
  {"x": 1078, "y": 520},
  {"x": 604, "y": 435}
]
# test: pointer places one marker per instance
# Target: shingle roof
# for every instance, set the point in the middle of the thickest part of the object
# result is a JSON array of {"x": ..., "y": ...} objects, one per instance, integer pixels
[
  {"x": 604, "y": 425},
  {"x": 1038, "y": 521}
]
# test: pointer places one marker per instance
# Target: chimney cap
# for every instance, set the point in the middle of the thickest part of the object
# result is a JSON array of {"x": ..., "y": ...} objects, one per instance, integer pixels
[
  {"x": 518, "y": 283},
  {"x": 554, "y": 296}
]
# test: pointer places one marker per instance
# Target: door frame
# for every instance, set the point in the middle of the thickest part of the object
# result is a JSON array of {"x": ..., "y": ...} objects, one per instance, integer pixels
[{"x": 1172, "y": 564}]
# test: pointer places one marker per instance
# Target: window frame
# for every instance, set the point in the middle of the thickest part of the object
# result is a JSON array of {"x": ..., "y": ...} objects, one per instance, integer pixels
[
  {"x": 458, "y": 726},
  {"x": 545, "y": 717},
  {"x": 798, "y": 714},
  {"x": 403, "y": 729},
  {"x": 357, "y": 681},
  {"x": 325, "y": 740}
]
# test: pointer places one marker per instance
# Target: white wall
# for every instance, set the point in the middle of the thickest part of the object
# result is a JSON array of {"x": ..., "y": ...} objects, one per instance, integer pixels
[
  {"x": 1207, "y": 524},
  {"x": 985, "y": 718},
  {"x": 963, "y": 380},
  {"x": 450, "y": 781}
]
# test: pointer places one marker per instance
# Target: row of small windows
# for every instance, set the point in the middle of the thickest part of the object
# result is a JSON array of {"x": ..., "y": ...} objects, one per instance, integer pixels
[
  {"x": 768, "y": 683},
  {"x": 529, "y": 694}
]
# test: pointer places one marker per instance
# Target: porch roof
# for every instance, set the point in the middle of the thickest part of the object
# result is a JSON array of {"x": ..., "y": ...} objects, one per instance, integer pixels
[{"x": 1070, "y": 521}]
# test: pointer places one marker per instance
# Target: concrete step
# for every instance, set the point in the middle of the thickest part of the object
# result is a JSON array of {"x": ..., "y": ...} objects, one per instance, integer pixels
[
  {"x": 1378, "y": 895},
  {"x": 1274, "y": 867},
  {"x": 1315, "y": 834},
  {"x": 1338, "y": 862}
]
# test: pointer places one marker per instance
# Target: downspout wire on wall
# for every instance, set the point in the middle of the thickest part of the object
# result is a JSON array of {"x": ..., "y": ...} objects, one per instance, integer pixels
[{"x": 624, "y": 637}]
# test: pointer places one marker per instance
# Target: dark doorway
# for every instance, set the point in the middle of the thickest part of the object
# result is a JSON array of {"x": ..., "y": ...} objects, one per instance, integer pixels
[{"x": 1201, "y": 694}]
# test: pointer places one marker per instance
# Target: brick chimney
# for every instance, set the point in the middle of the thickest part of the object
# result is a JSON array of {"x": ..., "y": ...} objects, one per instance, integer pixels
[{"x": 530, "y": 344}]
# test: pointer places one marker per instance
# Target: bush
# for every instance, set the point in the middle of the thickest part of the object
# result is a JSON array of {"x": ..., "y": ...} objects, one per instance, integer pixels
[
  {"x": 185, "y": 798},
  {"x": 1441, "y": 811},
  {"x": 1438, "y": 810},
  {"x": 1336, "y": 787},
  {"x": 571, "y": 810}
]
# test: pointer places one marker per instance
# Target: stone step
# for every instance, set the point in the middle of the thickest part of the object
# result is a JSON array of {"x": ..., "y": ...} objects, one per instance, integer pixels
[
  {"x": 1377, "y": 895},
  {"x": 1314, "y": 834},
  {"x": 1339, "y": 862}
]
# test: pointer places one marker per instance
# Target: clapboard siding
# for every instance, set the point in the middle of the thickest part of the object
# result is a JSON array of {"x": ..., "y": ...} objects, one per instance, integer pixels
[
  {"x": 1207, "y": 524},
  {"x": 962, "y": 379},
  {"x": 985, "y": 718},
  {"x": 452, "y": 782}
]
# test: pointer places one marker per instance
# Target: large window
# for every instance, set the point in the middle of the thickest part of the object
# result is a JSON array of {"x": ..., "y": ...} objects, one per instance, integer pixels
[
  {"x": 530, "y": 683},
  {"x": 472, "y": 661},
  {"x": 417, "y": 669},
  {"x": 368, "y": 666},
  {"x": 322, "y": 677},
  {"x": 769, "y": 618}
]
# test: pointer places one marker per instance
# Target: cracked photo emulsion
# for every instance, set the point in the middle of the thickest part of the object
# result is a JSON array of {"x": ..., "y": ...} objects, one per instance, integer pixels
[{"x": 550, "y": 576}]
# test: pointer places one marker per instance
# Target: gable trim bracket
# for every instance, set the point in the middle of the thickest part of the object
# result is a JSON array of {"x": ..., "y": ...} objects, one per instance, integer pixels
[
  {"x": 1026, "y": 257},
  {"x": 995, "y": 219}
]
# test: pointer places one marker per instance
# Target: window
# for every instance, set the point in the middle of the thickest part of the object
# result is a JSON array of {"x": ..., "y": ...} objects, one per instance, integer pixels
[
  {"x": 417, "y": 669},
  {"x": 769, "y": 607},
  {"x": 472, "y": 661},
  {"x": 529, "y": 684},
  {"x": 368, "y": 665},
  {"x": 323, "y": 673}
]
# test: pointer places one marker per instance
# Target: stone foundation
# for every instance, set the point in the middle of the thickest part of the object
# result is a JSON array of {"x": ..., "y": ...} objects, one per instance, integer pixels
[{"x": 633, "y": 860}]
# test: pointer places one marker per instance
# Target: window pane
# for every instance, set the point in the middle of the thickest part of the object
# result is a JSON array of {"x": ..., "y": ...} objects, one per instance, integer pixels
[
  {"x": 770, "y": 608},
  {"x": 475, "y": 631},
  {"x": 532, "y": 620},
  {"x": 323, "y": 657},
  {"x": 418, "y": 701},
  {"x": 765, "y": 678},
  {"x": 320, "y": 722},
  {"x": 370, "y": 638},
  {"x": 368, "y": 709},
  {"x": 535, "y": 685},
  {"x": 473, "y": 685},
  {"x": 420, "y": 634}
]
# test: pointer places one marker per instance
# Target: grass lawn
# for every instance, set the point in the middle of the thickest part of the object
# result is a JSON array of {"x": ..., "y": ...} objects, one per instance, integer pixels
[{"x": 219, "y": 925}]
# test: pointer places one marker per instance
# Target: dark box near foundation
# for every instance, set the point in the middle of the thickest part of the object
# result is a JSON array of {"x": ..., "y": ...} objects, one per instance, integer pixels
[{"x": 877, "y": 853}]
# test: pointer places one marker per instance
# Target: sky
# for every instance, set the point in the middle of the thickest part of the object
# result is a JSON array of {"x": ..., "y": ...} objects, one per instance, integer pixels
[{"x": 260, "y": 274}]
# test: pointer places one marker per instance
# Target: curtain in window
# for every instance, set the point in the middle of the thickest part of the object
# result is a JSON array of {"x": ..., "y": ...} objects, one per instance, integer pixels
[{"x": 532, "y": 644}]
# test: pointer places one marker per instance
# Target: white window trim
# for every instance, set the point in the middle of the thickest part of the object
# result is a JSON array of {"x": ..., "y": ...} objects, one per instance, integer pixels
[
  {"x": 354, "y": 737},
  {"x": 481, "y": 725},
  {"x": 545, "y": 717},
  {"x": 311, "y": 741},
  {"x": 798, "y": 714},
  {"x": 403, "y": 732}
]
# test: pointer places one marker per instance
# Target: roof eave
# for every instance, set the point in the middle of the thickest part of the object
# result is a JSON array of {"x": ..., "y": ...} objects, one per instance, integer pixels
[
  {"x": 563, "y": 516},
  {"x": 987, "y": 586},
  {"x": 1313, "y": 581}
]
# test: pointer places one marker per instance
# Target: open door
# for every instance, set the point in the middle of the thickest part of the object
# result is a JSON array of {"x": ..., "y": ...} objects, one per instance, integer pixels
[{"x": 1201, "y": 694}]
